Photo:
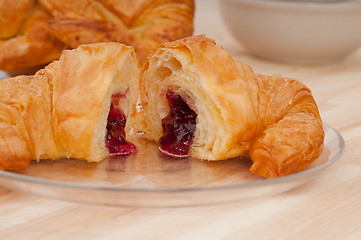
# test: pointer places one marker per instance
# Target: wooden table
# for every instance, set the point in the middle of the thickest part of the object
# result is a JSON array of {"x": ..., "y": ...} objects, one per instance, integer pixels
[{"x": 328, "y": 207}]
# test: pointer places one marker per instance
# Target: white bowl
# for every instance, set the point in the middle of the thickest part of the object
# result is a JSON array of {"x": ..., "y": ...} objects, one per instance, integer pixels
[{"x": 298, "y": 31}]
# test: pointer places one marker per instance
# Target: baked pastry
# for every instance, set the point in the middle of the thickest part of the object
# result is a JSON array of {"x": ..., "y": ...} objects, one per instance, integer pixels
[
  {"x": 198, "y": 100},
  {"x": 24, "y": 37},
  {"x": 139, "y": 23},
  {"x": 28, "y": 39},
  {"x": 76, "y": 107}
]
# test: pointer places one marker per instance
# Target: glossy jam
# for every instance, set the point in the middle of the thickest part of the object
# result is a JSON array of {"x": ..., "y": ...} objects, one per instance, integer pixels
[
  {"x": 115, "y": 138},
  {"x": 178, "y": 127}
]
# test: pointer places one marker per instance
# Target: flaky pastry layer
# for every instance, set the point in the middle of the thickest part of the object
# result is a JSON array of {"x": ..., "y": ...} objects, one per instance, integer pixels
[
  {"x": 272, "y": 118},
  {"x": 61, "y": 111}
]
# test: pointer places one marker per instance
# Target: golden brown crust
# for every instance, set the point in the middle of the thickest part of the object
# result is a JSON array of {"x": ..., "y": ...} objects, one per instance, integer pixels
[
  {"x": 25, "y": 114},
  {"x": 275, "y": 118},
  {"x": 78, "y": 31},
  {"x": 291, "y": 134},
  {"x": 127, "y": 11},
  {"x": 211, "y": 82},
  {"x": 32, "y": 44},
  {"x": 12, "y": 16},
  {"x": 28, "y": 39},
  {"x": 287, "y": 146},
  {"x": 139, "y": 23},
  {"x": 62, "y": 110}
]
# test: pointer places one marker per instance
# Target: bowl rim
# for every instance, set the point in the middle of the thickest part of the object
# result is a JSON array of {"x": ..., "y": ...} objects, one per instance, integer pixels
[{"x": 348, "y": 5}]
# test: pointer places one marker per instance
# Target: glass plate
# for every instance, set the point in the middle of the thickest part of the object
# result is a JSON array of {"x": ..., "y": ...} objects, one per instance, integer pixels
[{"x": 149, "y": 179}]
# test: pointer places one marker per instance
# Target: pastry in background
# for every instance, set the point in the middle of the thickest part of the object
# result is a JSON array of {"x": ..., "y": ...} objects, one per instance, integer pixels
[
  {"x": 198, "y": 100},
  {"x": 140, "y": 23},
  {"x": 76, "y": 107},
  {"x": 24, "y": 37},
  {"x": 25, "y": 26}
]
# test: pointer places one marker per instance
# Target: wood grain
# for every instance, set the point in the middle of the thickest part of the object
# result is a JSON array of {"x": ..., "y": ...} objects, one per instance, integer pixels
[{"x": 328, "y": 207}]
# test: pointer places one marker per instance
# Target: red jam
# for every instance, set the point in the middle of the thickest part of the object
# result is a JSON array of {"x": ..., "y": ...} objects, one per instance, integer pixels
[
  {"x": 178, "y": 127},
  {"x": 115, "y": 138}
]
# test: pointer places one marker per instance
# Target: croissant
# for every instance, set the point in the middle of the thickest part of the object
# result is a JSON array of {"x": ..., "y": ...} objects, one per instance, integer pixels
[
  {"x": 34, "y": 32},
  {"x": 76, "y": 107},
  {"x": 139, "y": 23},
  {"x": 200, "y": 101},
  {"x": 24, "y": 37}
]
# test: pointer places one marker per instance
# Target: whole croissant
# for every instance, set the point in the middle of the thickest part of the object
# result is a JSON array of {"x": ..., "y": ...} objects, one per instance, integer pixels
[
  {"x": 195, "y": 99},
  {"x": 24, "y": 37},
  {"x": 34, "y": 32},
  {"x": 142, "y": 24},
  {"x": 64, "y": 110},
  {"x": 198, "y": 100}
]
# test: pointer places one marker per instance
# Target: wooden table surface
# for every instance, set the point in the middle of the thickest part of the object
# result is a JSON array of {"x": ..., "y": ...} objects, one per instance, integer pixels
[{"x": 328, "y": 207}]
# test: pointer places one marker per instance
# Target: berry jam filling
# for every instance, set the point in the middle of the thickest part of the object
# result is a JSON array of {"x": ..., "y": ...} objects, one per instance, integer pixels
[
  {"x": 115, "y": 138},
  {"x": 178, "y": 127}
]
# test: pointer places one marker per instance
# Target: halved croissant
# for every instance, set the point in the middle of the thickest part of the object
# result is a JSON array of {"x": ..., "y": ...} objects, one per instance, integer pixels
[
  {"x": 64, "y": 110},
  {"x": 24, "y": 37},
  {"x": 195, "y": 95},
  {"x": 139, "y": 23}
]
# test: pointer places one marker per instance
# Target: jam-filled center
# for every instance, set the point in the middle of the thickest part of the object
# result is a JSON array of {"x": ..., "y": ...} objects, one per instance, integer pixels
[
  {"x": 178, "y": 127},
  {"x": 115, "y": 138}
]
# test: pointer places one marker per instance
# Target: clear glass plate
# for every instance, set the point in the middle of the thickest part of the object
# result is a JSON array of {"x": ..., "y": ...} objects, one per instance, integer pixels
[{"x": 149, "y": 179}]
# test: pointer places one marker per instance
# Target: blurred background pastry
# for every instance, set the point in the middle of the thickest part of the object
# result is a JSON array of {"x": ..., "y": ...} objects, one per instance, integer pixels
[
  {"x": 33, "y": 33},
  {"x": 24, "y": 37}
]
